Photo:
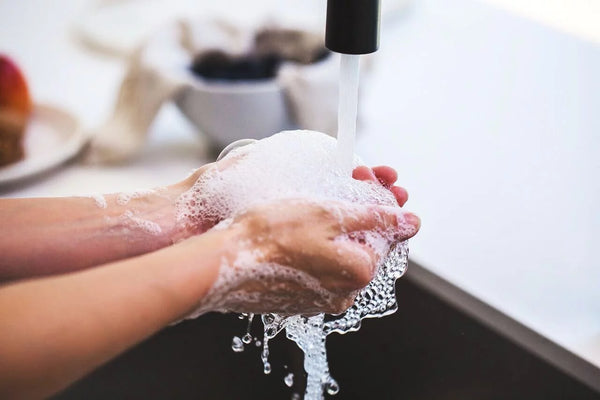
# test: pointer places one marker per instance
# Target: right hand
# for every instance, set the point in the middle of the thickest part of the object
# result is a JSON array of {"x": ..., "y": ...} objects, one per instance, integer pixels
[{"x": 302, "y": 257}]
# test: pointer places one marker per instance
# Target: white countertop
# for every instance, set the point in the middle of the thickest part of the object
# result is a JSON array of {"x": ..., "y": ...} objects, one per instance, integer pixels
[
  {"x": 491, "y": 120},
  {"x": 494, "y": 125}
]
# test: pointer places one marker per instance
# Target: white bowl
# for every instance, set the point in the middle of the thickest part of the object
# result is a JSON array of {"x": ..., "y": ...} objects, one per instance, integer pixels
[{"x": 229, "y": 111}]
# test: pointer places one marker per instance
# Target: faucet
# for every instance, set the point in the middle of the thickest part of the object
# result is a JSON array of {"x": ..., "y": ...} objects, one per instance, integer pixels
[{"x": 352, "y": 26}]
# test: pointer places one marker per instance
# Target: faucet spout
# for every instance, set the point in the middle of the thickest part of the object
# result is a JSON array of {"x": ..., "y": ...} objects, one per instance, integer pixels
[{"x": 352, "y": 26}]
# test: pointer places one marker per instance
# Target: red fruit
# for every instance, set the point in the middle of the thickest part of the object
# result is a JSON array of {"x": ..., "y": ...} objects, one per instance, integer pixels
[
  {"x": 14, "y": 94},
  {"x": 15, "y": 107}
]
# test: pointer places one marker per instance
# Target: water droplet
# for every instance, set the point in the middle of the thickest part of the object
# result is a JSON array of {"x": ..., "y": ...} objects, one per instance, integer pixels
[
  {"x": 289, "y": 379},
  {"x": 296, "y": 396},
  {"x": 268, "y": 318},
  {"x": 332, "y": 387},
  {"x": 267, "y": 368},
  {"x": 237, "y": 345},
  {"x": 247, "y": 338}
]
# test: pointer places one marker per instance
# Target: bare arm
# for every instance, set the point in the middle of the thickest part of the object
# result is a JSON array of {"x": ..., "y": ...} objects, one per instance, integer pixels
[
  {"x": 57, "y": 329},
  {"x": 55, "y": 235}
]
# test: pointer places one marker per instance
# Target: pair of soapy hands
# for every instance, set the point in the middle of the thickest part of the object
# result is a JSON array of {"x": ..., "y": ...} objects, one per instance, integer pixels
[{"x": 304, "y": 235}]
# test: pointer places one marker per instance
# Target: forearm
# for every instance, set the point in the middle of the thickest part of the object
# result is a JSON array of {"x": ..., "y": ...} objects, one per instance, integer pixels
[
  {"x": 57, "y": 329},
  {"x": 55, "y": 235}
]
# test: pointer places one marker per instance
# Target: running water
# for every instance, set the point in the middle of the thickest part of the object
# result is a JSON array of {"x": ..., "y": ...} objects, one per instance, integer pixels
[
  {"x": 347, "y": 110},
  {"x": 376, "y": 300}
]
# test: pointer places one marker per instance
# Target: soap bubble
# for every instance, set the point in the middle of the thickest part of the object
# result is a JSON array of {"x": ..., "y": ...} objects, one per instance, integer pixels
[{"x": 331, "y": 386}]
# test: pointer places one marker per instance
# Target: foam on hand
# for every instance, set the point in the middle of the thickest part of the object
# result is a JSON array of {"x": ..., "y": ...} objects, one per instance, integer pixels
[
  {"x": 299, "y": 165},
  {"x": 287, "y": 165},
  {"x": 294, "y": 165}
]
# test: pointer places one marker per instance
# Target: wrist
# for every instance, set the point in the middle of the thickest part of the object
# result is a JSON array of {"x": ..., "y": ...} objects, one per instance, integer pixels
[
  {"x": 160, "y": 207},
  {"x": 189, "y": 223},
  {"x": 145, "y": 221}
]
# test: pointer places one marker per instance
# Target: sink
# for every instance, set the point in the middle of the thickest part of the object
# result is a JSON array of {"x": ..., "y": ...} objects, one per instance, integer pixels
[{"x": 429, "y": 349}]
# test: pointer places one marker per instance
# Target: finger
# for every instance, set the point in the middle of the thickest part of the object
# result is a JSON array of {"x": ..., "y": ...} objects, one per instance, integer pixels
[
  {"x": 386, "y": 175},
  {"x": 364, "y": 173},
  {"x": 390, "y": 220},
  {"x": 353, "y": 265},
  {"x": 400, "y": 194}
]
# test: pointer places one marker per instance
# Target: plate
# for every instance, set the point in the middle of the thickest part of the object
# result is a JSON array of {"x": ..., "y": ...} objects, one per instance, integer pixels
[{"x": 52, "y": 137}]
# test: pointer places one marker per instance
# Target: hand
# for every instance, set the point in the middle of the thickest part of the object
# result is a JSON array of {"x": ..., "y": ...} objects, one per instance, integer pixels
[
  {"x": 302, "y": 257},
  {"x": 384, "y": 175}
]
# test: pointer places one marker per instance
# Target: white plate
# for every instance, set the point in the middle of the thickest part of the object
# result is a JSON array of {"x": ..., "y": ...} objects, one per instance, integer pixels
[{"x": 52, "y": 137}]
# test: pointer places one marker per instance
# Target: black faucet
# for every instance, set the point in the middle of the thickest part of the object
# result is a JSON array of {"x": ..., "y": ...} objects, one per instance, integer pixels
[{"x": 352, "y": 26}]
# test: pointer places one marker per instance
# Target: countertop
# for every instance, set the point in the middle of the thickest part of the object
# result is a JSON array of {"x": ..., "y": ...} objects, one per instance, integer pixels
[{"x": 491, "y": 120}]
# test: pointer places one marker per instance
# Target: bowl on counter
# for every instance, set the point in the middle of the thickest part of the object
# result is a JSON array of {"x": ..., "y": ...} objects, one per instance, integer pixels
[
  {"x": 228, "y": 111},
  {"x": 266, "y": 82}
]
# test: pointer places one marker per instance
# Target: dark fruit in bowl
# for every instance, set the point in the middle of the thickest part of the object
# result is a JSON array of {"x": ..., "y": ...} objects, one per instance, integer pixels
[
  {"x": 221, "y": 66},
  {"x": 271, "y": 48}
]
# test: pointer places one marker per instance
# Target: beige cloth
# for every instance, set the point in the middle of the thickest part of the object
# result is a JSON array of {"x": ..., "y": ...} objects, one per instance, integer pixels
[{"x": 158, "y": 71}]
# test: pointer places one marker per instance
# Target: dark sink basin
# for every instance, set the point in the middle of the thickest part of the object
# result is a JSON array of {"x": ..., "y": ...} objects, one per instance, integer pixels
[{"x": 429, "y": 349}]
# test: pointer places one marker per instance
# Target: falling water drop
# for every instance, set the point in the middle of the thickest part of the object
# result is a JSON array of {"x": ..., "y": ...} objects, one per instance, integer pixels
[
  {"x": 267, "y": 368},
  {"x": 331, "y": 386},
  {"x": 289, "y": 379},
  {"x": 237, "y": 345},
  {"x": 247, "y": 338}
]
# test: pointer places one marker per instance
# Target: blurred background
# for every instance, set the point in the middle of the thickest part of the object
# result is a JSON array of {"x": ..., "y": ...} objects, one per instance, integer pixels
[{"x": 488, "y": 109}]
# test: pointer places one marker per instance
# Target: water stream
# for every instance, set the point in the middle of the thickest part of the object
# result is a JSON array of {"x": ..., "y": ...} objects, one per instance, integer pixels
[{"x": 347, "y": 109}]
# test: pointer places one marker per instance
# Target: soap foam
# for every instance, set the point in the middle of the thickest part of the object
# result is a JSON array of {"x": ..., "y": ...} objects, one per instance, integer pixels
[
  {"x": 99, "y": 200},
  {"x": 131, "y": 219},
  {"x": 288, "y": 165},
  {"x": 294, "y": 165}
]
